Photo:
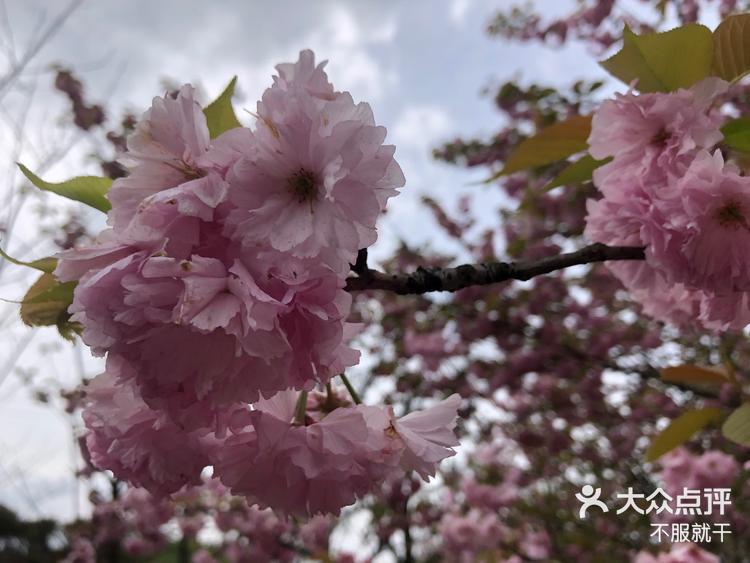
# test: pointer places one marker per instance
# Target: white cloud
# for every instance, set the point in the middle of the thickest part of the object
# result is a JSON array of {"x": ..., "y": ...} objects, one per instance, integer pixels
[
  {"x": 346, "y": 43},
  {"x": 420, "y": 126},
  {"x": 458, "y": 10}
]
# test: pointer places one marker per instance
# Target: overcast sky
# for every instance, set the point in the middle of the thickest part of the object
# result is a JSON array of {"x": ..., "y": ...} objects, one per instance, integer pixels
[{"x": 421, "y": 64}]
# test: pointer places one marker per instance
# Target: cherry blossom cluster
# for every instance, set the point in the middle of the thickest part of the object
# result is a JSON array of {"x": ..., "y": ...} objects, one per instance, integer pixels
[
  {"x": 711, "y": 469},
  {"x": 216, "y": 525},
  {"x": 668, "y": 189},
  {"x": 219, "y": 283},
  {"x": 598, "y": 23},
  {"x": 677, "y": 553}
]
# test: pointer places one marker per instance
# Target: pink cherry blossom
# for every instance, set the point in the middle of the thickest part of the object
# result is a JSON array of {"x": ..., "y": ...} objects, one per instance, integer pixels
[
  {"x": 220, "y": 283},
  {"x": 727, "y": 311},
  {"x": 198, "y": 318},
  {"x": 315, "y": 533},
  {"x": 140, "y": 444},
  {"x": 715, "y": 469},
  {"x": 685, "y": 206},
  {"x": 82, "y": 551},
  {"x": 653, "y": 137},
  {"x": 319, "y": 177},
  {"x": 162, "y": 153},
  {"x": 75, "y": 263},
  {"x": 183, "y": 212},
  {"x": 623, "y": 220},
  {"x": 194, "y": 329},
  {"x": 705, "y": 244},
  {"x": 179, "y": 323},
  {"x": 143, "y": 514},
  {"x": 203, "y": 556},
  {"x": 678, "y": 553},
  {"x": 672, "y": 303},
  {"x": 432, "y": 347},
  {"x": 535, "y": 544},
  {"x": 298, "y": 469},
  {"x": 327, "y": 464},
  {"x": 471, "y": 533},
  {"x": 493, "y": 496},
  {"x": 428, "y": 435},
  {"x": 709, "y": 470}
]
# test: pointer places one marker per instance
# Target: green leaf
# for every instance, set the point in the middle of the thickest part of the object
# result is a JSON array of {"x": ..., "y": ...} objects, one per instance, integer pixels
[
  {"x": 549, "y": 145},
  {"x": 68, "y": 329},
  {"x": 43, "y": 264},
  {"x": 737, "y": 427},
  {"x": 220, "y": 114},
  {"x": 692, "y": 374},
  {"x": 737, "y": 134},
  {"x": 577, "y": 172},
  {"x": 663, "y": 62},
  {"x": 681, "y": 429},
  {"x": 46, "y": 302},
  {"x": 731, "y": 59},
  {"x": 86, "y": 189}
]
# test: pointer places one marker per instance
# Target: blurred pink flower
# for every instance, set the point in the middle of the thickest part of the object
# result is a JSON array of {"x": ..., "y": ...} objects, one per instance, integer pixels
[
  {"x": 471, "y": 533},
  {"x": 203, "y": 556},
  {"x": 315, "y": 533},
  {"x": 678, "y": 553},
  {"x": 535, "y": 544},
  {"x": 709, "y": 470},
  {"x": 82, "y": 551},
  {"x": 493, "y": 496}
]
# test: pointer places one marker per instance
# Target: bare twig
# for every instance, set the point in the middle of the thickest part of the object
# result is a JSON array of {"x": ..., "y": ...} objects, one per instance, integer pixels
[
  {"x": 44, "y": 37},
  {"x": 425, "y": 280},
  {"x": 360, "y": 266}
]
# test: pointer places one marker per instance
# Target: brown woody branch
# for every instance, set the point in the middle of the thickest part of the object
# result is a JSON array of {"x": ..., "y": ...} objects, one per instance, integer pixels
[{"x": 425, "y": 280}]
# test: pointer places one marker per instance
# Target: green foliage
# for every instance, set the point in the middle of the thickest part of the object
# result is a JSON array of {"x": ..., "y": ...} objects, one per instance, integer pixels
[
  {"x": 694, "y": 374},
  {"x": 46, "y": 304},
  {"x": 706, "y": 379},
  {"x": 220, "y": 114},
  {"x": 731, "y": 58},
  {"x": 43, "y": 264},
  {"x": 681, "y": 429},
  {"x": 577, "y": 172},
  {"x": 27, "y": 541},
  {"x": 86, "y": 189},
  {"x": 549, "y": 145},
  {"x": 663, "y": 62},
  {"x": 737, "y": 134},
  {"x": 737, "y": 427}
]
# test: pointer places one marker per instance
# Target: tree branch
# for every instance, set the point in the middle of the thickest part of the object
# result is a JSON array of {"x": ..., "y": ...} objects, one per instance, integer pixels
[{"x": 425, "y": 280}]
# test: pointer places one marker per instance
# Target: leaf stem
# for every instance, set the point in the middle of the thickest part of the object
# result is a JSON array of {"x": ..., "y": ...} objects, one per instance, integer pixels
[
  {"x": 300, "y": 409},
  {"x": 354, "y": 395}
]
